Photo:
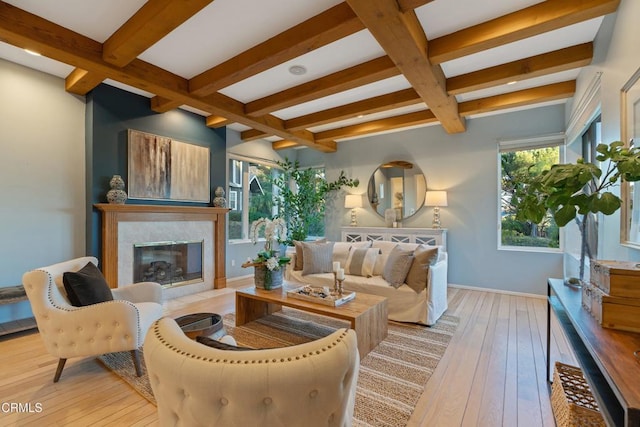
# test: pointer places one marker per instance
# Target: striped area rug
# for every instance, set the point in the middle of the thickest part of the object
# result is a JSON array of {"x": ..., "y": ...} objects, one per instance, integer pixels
[{"x": 392, "y": 376}]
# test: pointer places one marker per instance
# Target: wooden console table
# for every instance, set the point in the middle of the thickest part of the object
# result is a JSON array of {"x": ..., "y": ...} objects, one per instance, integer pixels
[{"x": 605, "y": 355}]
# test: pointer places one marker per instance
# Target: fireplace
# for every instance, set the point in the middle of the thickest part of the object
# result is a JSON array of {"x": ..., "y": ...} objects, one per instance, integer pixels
[
  {"x": 123, "y": 226},
  {"x": 173, "y": 263}
]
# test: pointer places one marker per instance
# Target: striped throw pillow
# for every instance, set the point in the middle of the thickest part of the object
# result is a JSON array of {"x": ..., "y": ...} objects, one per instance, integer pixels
[{"x": 361, "y": 261}]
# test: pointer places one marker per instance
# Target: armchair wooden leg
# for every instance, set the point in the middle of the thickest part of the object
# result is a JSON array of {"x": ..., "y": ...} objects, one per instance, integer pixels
[
  {"x": 61, "y": 363},
  {"x": 135, "y": 355}
]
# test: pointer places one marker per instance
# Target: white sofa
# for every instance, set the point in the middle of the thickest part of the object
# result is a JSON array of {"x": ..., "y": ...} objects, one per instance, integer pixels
[{"x": 404, "y": 304}]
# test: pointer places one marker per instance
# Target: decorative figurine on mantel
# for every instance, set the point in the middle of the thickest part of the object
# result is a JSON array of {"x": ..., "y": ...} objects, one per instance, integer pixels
[
  {"x": 116, "y": 195},
  {"x": 219, "y": 201}
]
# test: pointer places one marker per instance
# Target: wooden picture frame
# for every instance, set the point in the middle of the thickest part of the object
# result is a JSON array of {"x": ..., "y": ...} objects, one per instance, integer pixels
[{"x": 160, "y": 168}]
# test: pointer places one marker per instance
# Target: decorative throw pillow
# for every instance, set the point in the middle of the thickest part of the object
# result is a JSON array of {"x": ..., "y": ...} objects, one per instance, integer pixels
[
  {"x": 361, "y": 261},
  {"x": 397, "y": 266},
  {"x": 220, "y": 345},
  {"x": 318, "y": 257},
  {"x": 341, "y": 252},
  {"x": 385, "y": 250},
  {"x": 423, "y": 257},
  {"x": 86, "y": 286},
  {"x": 299, "y": 255}
]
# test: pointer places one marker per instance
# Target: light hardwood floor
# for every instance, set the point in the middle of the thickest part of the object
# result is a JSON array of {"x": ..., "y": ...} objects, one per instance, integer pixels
[{"x": 492, "y": 374}]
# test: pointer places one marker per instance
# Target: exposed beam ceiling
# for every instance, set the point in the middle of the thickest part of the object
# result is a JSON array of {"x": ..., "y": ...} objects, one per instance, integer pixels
[{"x": 392, "y": 70}]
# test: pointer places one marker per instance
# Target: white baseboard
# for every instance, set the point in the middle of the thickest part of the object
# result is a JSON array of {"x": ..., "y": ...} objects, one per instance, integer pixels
[{"x": 497, "y": 291}]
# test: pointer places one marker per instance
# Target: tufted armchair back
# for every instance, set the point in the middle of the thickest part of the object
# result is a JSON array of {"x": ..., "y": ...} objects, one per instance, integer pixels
[
  {"x": 69, "y": 331},
  {"x": 311, "y": 384}
]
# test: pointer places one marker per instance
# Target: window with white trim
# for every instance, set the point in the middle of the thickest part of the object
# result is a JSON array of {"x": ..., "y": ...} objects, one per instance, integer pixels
[
  {"x": 519, "y": 159},
  {"x": 250, "y": 194}
]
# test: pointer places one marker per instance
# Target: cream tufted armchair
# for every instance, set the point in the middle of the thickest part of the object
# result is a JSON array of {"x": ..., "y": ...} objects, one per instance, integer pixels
[
  {"x": 311, "y": 384},
  {"x": 107, "y": 327}
]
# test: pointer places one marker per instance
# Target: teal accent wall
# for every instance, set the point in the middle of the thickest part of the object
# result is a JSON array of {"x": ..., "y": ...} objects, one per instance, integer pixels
[{"x": 110, "y": 112}]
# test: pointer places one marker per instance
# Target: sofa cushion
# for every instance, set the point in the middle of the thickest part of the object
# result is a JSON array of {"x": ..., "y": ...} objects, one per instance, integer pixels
[
  {"x": 86, "y": 286},
  {"x": 361, "y": 261},
  {"x": 423, "y": 257},
  {"x": 397, "y": 267},
  {"x": 299, "y": 255},
  {"x": 318, "y": 257},
  {"x": 385, "y": 250},
  {"x": 341, "y": 250}
]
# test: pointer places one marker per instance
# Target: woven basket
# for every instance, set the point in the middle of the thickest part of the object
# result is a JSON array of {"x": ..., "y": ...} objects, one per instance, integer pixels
[
  {"x": 266, "y": 279},
  {"x": 571, "y": 398}
]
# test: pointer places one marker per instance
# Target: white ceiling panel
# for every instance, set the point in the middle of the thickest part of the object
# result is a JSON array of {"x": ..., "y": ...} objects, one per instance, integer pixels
[
  {"x": 392, "y": 84},
  {"x": 96, "y": 19},
  {"x": 552, "y": 40},
  {"x": 442, "y": 17},
  {"x": 521, "y": 85},
  {"x": 225, "y": 28},
  {"x": 344, "y": 53}
]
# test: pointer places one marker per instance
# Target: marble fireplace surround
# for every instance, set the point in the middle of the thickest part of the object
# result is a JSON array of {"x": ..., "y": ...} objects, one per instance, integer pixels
[{"x": 124, "y": 225}]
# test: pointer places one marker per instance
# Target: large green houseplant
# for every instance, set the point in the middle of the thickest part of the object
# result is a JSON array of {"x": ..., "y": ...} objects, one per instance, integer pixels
[
  {"x": 572, "y": 192},
  {"x": 302, "y": 196}
]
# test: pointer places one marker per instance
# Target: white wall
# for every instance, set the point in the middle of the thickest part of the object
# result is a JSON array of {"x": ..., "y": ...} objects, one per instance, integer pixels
[
  {"x": 42, "y": 208},
  {"x": 617, "y": 61},
  {"x": 466, "y": 166}
]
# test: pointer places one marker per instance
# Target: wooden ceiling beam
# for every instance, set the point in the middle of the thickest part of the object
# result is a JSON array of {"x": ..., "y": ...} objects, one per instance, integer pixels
[
  {"x": 327, "y": 27},
  {"x": 283, "y": 144},
  {"x": 358, "y": 75},
  {"x": 162, "y": 105},
  {"x": 381, "y": 125},
  {"x": 154, "y": 20},
  {"x": 535, "y": 66},
  {"x": 402, "y": 37},
  {"x": 81, "y": 81},
  {"x": 28, "y": 31},
  {"x": 217, "y": 121},
  {"x": 515, "y": 99},
  {"x": 528, "y": 22},
  {"x": 376, "y": 104},
  {"x": 519, "y": 98},
  {"x": 407, "y": 5}
]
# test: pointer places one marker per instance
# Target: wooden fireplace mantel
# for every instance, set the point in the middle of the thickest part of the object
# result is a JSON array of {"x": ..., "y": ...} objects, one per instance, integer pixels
[{"x": 113, "y": 214}]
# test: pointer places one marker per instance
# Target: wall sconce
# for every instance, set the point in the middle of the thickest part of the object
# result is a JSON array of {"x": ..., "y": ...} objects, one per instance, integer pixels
[
  {"x": 436, "y": 199},
  {"x": 353, "y": 201}
]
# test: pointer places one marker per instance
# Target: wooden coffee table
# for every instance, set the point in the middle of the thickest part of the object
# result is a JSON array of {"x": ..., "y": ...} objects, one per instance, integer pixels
[{"x": 366, "y": 313}]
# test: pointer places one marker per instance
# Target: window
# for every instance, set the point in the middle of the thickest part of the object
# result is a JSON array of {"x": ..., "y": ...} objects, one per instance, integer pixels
[
  {"x": 518, "y": 160},
  {"x": 250, "y": 194},
  {"x": 590, "y": 140}
]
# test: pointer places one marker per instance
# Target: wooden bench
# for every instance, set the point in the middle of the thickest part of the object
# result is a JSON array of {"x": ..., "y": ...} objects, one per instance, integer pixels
[{"x": 12, "y": 295}]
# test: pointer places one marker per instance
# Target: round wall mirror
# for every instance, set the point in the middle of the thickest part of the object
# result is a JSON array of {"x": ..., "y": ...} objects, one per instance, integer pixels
[{"x": 398, "y": 185}]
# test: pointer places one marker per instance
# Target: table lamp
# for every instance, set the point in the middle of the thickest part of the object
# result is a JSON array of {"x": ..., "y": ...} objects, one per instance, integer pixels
[
  {"x": 353, "y": 201},
  {"x": 436, "y": 199}
]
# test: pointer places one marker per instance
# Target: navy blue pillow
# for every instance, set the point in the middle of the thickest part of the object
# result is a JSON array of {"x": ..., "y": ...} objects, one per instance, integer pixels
[{"x": 86, "y": 286}]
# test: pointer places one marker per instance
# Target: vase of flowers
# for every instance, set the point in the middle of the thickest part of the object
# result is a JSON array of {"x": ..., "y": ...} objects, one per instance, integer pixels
[{"x": 269, "y": 264}]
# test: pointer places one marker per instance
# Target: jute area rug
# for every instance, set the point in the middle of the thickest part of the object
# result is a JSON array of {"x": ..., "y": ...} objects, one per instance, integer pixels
[{"x": 392, "y": 376}]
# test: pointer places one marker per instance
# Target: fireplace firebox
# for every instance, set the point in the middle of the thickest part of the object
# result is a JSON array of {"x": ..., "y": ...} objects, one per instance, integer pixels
[{"x": 173, "y": 263}]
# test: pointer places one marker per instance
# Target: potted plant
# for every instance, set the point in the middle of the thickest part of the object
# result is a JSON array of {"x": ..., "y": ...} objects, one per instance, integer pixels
[
  {"x": 268, "y": 265},
  {"x": 575, "y": 191},
  {"x": 302, "y": 195}
]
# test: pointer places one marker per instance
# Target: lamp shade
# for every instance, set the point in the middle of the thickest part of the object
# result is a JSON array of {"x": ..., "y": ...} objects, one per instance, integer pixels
[
  {"x": 353, "y": 201},
  {"x": 436, "y": 198}
]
